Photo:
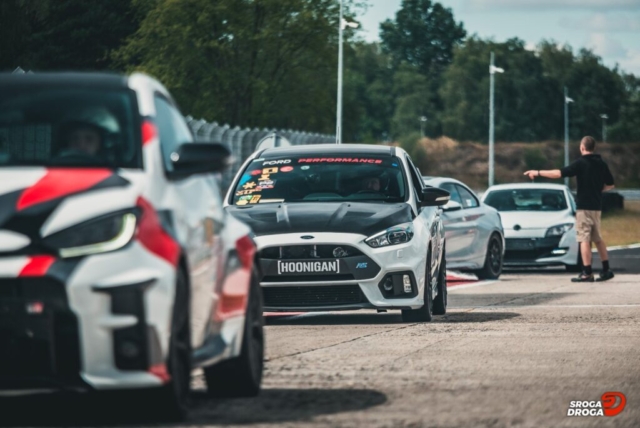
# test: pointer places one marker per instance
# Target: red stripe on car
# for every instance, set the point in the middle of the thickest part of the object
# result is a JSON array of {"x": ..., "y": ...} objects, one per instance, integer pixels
[
  {"x": 160, "y": 371},
  {"x": 149, "y": 132},
  {"x": 37, "y": 266},
  {"x": 57, "y": 183},
  {"x": 235, "y": 290},
  {"x": 152, "y": 235}
]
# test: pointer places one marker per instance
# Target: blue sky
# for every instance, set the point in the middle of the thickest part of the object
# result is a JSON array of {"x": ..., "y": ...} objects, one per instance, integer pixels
[{"x": 611, "y": 28}]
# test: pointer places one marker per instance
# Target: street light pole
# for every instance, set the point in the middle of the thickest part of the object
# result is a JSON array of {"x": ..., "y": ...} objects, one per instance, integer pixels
[
  {"x": 343, "y": 24},
  {"x": 604, "y": 127},
  {"x": 567, "y": 100},
  {"x": 340, "y": 65},
  {"x": 492, "y": 71},
  {"x": 423, "y": 121}
]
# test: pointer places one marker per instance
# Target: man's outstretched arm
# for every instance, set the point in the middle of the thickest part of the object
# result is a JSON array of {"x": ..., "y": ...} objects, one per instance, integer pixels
[{"x": 551, "y": 173}]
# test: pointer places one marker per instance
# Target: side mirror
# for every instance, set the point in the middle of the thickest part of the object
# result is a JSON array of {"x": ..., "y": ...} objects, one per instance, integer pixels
[
  {"x": 452, "y": 206},
  {"x": 434, "y": 197},
  {"x": 199, "y": 158}
]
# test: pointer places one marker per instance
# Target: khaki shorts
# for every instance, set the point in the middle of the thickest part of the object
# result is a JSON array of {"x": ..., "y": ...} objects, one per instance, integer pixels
[{"x": 588, "y": 226}]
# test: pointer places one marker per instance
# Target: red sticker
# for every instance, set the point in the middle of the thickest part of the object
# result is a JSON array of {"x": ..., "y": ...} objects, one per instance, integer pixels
[
  {"x": 256, "y": 172},
  {"x": 286, "y": 169}
]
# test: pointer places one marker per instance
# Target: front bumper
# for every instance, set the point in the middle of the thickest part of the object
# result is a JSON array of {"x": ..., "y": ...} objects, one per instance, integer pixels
[
  {"x": 347, "y": 290},
  {"x": 100, "y": 322},
  {"x": 537, "y": 250}
]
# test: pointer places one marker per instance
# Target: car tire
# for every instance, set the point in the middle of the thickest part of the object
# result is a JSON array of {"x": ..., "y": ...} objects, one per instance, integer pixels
[
  {"x": 577, "y": 268},
  {"x": 440, "y": 302},
  {"x": 171, "y": 402},
  {"x": 425, "y": 313},
  {"x": 493, "y": 261},
  {"x": 242, "y": 376}
]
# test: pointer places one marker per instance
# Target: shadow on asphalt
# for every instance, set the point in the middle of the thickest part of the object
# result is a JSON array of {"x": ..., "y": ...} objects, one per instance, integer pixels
[
  {"x": 487, "y": 300},
  {"x": 388, "y": 318},
  {"x": 475, "y": 317},
  {"x": 272, "y": 405},
  {"x": 283, "y": 405},
  {"x": 337, "y": 318}
]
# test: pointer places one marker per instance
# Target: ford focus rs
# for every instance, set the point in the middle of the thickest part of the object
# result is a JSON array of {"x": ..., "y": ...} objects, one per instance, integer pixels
[
  {"x": 119, "y": 268},
  {"x": 344, "y": 227}
]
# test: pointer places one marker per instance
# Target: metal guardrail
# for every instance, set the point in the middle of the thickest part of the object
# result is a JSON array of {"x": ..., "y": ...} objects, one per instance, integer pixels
[
  {"x": 243, "y": 141},
  {"x": 630, "y": 194}
]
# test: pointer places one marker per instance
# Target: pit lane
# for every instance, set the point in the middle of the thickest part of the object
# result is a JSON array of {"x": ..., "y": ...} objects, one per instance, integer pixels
[{"x": 514, "y": 352}]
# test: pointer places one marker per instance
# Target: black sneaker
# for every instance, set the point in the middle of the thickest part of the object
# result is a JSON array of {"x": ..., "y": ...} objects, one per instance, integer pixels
[
  {"x": 584, "y": 277},
  {"x": 605, "y": 276}
]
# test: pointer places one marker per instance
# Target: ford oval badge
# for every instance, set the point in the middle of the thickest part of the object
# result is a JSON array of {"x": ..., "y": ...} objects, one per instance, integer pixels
[{"x": 307, "y": 237}]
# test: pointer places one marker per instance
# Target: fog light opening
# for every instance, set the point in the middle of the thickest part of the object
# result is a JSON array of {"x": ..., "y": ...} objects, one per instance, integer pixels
[
  {"x": 35, "y": 308},
  {"x": 388, "y": 284},
  {"x": 406, "y": 282},
  {"x": 129, "y": 349}
]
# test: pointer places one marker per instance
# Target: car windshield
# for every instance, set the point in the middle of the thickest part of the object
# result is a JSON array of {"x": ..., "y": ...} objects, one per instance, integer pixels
[
  {"x": 357, "y": 178},
  {"x": 527, "y": 200},
  {"x": 68, "y": 126}
]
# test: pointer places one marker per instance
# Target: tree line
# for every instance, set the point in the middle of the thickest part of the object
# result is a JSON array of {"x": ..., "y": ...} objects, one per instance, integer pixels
[{"x": 272, "y": 63}]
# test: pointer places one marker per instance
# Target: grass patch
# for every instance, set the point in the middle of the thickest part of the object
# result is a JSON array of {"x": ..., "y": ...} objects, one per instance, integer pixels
[{"x": 622, "y": 227}]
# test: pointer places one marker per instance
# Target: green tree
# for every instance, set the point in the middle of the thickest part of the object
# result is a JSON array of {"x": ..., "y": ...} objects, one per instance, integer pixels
[
  {"x": 628, "y": 127},
  {"x": 423, "y": 34},
  {"x": 251, "y": 63},
  {"x": 77, "y": 34},
  {"x": 595, "y": 89},
  {"x": 524, "y": 94}
]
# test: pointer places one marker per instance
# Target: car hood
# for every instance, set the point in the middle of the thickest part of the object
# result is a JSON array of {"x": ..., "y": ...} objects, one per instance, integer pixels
[
  {"x": 535, "y": 219},
  {"x": 345, "y": 217}
]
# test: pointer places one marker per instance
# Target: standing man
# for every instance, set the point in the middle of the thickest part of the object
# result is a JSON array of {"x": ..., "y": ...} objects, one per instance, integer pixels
[{"x": 594, "y": 177}]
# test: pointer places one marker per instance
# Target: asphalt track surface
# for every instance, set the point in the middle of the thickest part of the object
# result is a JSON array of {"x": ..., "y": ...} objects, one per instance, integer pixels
[{"x": 510, "y": 353}]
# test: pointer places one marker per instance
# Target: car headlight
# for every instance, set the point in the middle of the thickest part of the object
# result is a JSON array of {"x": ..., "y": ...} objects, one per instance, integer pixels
[
  {"x": 100, "y": 235},
  {"x": 559, "y": 230},
  {"x": 392, "y": 236}
]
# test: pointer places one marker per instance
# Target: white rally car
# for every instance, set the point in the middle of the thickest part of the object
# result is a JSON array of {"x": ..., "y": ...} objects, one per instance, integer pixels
[
  {"x": 119, "y": 269},
  {"x": 344, "y": 227}
]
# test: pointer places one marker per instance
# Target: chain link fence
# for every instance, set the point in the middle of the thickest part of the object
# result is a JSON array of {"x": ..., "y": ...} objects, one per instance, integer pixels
[{"x": 243, "y": 141}]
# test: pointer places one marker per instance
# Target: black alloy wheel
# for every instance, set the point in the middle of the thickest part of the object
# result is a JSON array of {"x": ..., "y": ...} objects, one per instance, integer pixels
[{"x": 492, "y": 268}]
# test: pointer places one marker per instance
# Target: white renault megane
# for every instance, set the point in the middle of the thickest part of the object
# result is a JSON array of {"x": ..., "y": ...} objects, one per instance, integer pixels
[{"x": 539, "y": 224}]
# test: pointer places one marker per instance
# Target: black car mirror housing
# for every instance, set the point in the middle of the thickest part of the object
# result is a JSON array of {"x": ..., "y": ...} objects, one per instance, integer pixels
[
  {"x": 434, "y": 197},
  {"x": 199, "y": 158}
]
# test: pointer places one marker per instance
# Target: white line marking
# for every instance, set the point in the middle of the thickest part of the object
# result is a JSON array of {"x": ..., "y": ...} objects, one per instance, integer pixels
[
  {"x": 534, "y": 306},
  {"x": 475, "y": 284},
  {"x": 619, "y": 247}
]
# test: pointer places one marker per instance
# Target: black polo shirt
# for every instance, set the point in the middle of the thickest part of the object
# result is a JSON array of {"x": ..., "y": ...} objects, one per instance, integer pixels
[{"x": 592, "y": 174}]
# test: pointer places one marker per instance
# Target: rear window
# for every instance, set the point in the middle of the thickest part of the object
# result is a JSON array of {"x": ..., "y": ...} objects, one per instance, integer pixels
[
  {"x": 69, "y": 126},
  {"x": 527, "y": 200},
  {"x": 357, "y": 178}
]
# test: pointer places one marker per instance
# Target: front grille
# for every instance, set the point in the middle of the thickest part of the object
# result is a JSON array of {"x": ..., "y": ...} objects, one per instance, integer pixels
[
  {"x": 45, "y": 344},
  {"x": 528, "y": 250},
  {"x": 312, "y": 296},
  {"x": 308, "y": 278},
  {"x": 293, "y": 252}
]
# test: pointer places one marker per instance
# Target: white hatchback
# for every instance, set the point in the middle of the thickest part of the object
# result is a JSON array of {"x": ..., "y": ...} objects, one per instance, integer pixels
[{"x": 539, "y": 224}]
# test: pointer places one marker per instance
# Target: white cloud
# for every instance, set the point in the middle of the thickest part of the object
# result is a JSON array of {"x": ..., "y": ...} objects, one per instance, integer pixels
[
  {"x": 542, "y": 5},
  {"x": 606, "y": 47},
  {"x": 604, "y": 22},
  {"x": 530, "y": 46}
]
